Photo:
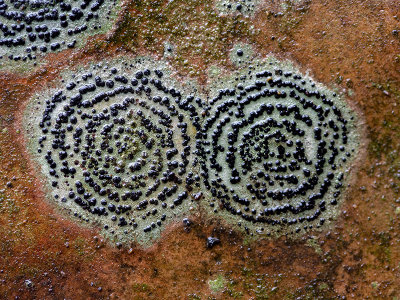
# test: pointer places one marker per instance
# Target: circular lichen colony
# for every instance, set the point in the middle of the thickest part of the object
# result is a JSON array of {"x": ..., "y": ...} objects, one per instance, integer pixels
[
  {"x": 276, "y": 148},
  {"x": 115, "y": 146},
  {"x": 31, "y": 28}
]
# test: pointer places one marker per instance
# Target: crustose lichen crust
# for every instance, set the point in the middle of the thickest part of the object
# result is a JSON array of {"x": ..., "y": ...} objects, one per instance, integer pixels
[{"x": 125, "y": 146}]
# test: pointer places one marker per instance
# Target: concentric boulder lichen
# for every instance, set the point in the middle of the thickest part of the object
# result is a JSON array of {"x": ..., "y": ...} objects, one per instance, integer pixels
[
  {"x": 114, "y": 142},
  {"x": 276, "y": 148},
  {"x": 30, "y": 29},
  {"x": 124, "y": 146}
]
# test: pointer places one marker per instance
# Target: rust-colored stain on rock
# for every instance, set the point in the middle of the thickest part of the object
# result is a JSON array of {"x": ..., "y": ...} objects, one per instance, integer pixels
[{"x": 350, "y": 45}]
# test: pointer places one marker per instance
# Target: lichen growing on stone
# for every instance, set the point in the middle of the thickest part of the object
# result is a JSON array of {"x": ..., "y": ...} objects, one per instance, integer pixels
[
  {"x": 276, "y": 149},
  {"x": 125, "y": 146},
  {"x": 114, "y": 142},
  {"x": 218, "y": 284},
  {"x": 30, "y": 29},
  {"x": 190, "y": 35}
]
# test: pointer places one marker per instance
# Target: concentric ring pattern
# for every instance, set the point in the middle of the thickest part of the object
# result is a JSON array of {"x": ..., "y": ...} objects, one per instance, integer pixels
[
  {"x": 275, "y": 148},
  {"x": 115, "y": 144},
  {"x": 126, "y": 147}
]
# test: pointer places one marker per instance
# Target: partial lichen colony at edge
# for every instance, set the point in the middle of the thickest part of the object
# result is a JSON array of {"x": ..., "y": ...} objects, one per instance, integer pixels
[
  {"x": 30, "y": 29},
  {"x": 124, "y": 146}
]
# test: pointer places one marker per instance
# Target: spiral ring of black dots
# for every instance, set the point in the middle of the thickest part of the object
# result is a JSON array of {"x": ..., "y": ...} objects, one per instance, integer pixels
[
  {"x": 117, "y": 146},
  {"x": 32, "y": 27},
  {"x": 273, "y": 150}
]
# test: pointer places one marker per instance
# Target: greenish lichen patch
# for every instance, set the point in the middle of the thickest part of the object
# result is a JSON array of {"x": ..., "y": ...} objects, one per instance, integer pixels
[
  {"x": 313, "y": 243},
  {"x": 218, "y": 284},
  {"x": 195, "y": 31}
]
